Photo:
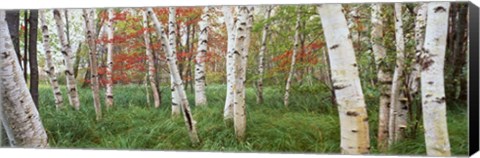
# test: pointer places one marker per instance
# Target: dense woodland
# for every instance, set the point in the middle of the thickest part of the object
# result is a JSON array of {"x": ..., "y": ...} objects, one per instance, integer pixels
[{"x": 384, "y": 78}]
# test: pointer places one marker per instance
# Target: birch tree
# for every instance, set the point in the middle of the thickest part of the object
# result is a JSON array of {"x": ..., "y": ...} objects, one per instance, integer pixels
[
  {"x": 200, "y": 98},
  {"x": 172, "y": 38},
  {"x": 346, "y": 82},
  {"x": 88, "y": 15},
  {"x": 109, "y": 85},
  {"x": 151, "y": 64},
  {"x": 67, "y": 55},
  {"x": 432, "y": 80},
  {"x": 18, "y": 114},
  {"x": 398, "y": 107},
  {"x": 178, "y": 83},
  {"x": 239, "y": 115},
  {"x": 50, "y": 68},
  {"x": 414, "y": 78},
  {"x": 261, "y": 55},
  {"x": 294, "y": 55},
  {"x": 230, "y": 60}
]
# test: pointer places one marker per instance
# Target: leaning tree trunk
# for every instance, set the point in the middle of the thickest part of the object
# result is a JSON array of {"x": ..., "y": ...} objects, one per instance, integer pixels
[
  {"x": 200, "y": 98},
  {"x": 346, "y": 82},
  {"x": 432, "y": 80},
  {"x": 67, "y": 53},
  {"x": 32, "y": 50},
  {"x": 88, "y": 14},
  {"x": 230, "y": 68},
  {"x": 239, "y": 115},
  {"x": 151, "y": 64},
  {"x": 18, "y": 113},
  {"x": 178, "y": 83},
  {"x": 398, "y": 108},
  {"x": 50, "y": 70},
  {"x": 109, "y": 84},
  {"x": 294, "y": 55},
  {"x": 383, "y": 75},
  {"x": 261, "y": 56},
  {"x": 172, "y": 38}
]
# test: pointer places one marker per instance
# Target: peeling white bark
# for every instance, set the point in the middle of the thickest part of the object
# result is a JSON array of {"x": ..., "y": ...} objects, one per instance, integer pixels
[
  {"x": 432, "y": 80},
  {"x": 346, "y": 82},
  {"x": 414, "y": 80},
  {"x": 294, "y": 56},
  {"x": 67, "y": 54},
  {"x": 109, "y": 85},
  {"x": 261, "y": 55},
  {"x": 151, "y": 64},
  {"x": 172, "y": 38},
  {"x": 230, "y": 60},
  {"x": 200, "y": 97}
]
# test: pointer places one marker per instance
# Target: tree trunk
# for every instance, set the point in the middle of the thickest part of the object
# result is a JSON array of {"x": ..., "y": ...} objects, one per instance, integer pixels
[
  {"x": 432, "y": 81},
  {"x": 88, "y": 14},
  {"x": 109, "y": 87},
  {"x": 151, "y": 64},
  {"x": 176, "y": 100},
  {"x": 239, "y": 115},
  {"x": 25, "y": 46},
  {"x": 67, "y": 52},
  {"x": 414, "y": 78},
  {"x": 230, "y": 68},
  {"x": 13, "y": 21},
  {"x": 346, "y": 82},
  {"x": 178, "y": 84},
  {"x": 458, "y": 48},
  {"x": 261, "y": 56},
  {"x": 383, "y": 75},
  {"x": 200, "y": 71},
  {"x": 33, "y": 56},
  {"x": 17, "y": 111},
  {"x": 50, "y": 69},
  {"x": 77, "y": 60},
  {"x": 294, "y": 56}
]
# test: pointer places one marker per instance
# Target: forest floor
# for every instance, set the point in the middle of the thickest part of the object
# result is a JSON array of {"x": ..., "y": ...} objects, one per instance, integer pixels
[{"x": 309, "y": 125}]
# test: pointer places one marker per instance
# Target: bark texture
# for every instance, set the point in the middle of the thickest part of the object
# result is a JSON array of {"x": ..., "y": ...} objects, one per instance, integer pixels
[
  {"x": 88, "y": 15},
  {"x": 19, "y": 116},
  {"x": 432, "y": 81},
  {"x": 346, "y": 82},
  {"x": 294, "y": 56},
  {"x": 172, "y": 38},
  {"x": 32, "y": 52},
  {"x": 200, "y": 70},
  {"x": 67, "y": 54},
  {"x": 109, "y": 86},
  {"x": 230, "y": 60},
  {"x": 261, "y": 56},
  {"x": 151, "y": 64}
]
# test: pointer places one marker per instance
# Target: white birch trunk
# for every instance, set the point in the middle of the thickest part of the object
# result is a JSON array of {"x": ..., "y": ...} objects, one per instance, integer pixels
[
  {"x": 383, "y": 75},
  {"x": 172, "y": 38},
  {"x": 151, "y": 64},
  {"x": 261, "y": 56},
  {"x": 88, "y": 15},
  {"x": 239, "y": 115},
  {"x": 245, "y": 51},
  {"x": 200, "y": 98},
  {"x": 398, "y": 108},
  {"x": 67, "y": 54},
  {"x": 50, "y": 68},
  {"x": 178, "y": 83},
  {"x": 230, "y": 60},
  {"x": 109, "y": 85},
  {"x": 294, "y": 56},
  {"x": 432, "y": 80},
  {"x": 19, "y": 116},
  {"x": 414, "y": 79},
  {"x": 354, "y": 130}
]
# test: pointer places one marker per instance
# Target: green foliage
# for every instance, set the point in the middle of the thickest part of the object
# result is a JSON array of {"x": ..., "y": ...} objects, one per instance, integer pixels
[{"x": 310, "y": 124}]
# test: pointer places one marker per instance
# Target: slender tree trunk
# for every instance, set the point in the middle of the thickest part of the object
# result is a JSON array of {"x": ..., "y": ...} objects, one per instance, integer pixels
[
  {"x": 230, "y": 61},
  {"x": 88, "y": 14},
  {"x": 17, "y": 110},
  {"x": 432, "y": 81},
  {"x": 239, "y": 115},
  {"x": 294, "y": 56},
  {"x": 33, "y": 21},
  {"x": 458, "y": 48},
  {"x": 176, "y": 100},
  {"x": 109, "y": 90},
  {"x": 188, "y": 72},
  {"x": 354, "y": 130},
  {"x": 261, "y": 56},
  {"x": 13, "y": 21},
  {"x": 77, "y": 60},
  {"x": 67, "y": 52},
  {"x": 383, "y": 75},
  {"x": 151, "y": 64},
  {"x": 50, "y": 70},
  {"x": 178, "y": 83},
  {"x": 25, "y": 46},
  {"x": 200, "y": 98}
]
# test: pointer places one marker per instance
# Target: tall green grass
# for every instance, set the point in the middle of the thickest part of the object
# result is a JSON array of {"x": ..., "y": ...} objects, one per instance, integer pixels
[{"x": 309, "y": 124}]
